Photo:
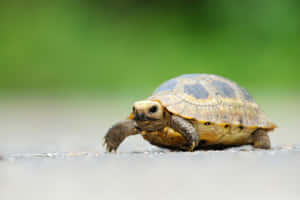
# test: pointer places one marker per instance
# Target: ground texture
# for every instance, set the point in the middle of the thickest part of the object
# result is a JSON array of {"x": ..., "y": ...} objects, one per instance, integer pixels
[{"x": 52, "y": 150}]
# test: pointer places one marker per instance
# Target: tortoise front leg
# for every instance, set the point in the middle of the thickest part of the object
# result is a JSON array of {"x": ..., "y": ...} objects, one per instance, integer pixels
[
  {"x": 261, "y": 139},
  {"x": 187, "y": 130},
  {"x": 118, "y": 132}
]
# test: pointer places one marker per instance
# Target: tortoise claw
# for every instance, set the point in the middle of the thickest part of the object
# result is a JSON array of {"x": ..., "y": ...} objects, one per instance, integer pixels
[
  {"x": 192, "y": 147},
  {"x": 117, "y": 133},
  {"x": 109, "y": 146},
  {"x": 189, "y": 148}
]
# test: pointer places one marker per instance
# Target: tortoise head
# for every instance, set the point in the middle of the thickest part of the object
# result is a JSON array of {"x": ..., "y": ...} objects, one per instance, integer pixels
[
  {"x": 149, "y": 115},
  {"x": 147, "y": 110}
]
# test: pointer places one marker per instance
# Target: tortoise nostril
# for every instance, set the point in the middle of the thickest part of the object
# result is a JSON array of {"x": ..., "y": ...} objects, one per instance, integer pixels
[{"x": 140, "y": 116}]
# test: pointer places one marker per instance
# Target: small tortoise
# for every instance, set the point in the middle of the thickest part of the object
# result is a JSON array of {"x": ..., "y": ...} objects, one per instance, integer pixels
[{"x": 195, "y": 111}]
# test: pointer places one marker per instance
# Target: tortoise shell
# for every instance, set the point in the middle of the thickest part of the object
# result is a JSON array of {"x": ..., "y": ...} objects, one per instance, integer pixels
[{"x": 210, "y": 98}]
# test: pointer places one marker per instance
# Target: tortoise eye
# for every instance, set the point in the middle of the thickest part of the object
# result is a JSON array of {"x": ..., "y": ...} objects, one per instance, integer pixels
[{"x": 153, "y": 109}]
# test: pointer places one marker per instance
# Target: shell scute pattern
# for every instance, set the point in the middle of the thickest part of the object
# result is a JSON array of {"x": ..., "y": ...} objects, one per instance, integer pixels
[
  {"x": 167, "y": 86},
  {"x": 223, "y": 89},
  {"x": 196, "y": 90},
  {"x": 206, "y": 97},
  {"x": 245, "y": 95}
]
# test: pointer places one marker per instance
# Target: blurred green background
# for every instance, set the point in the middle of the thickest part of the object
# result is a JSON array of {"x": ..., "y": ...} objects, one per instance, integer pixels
[{"x": 128, "y": 47}]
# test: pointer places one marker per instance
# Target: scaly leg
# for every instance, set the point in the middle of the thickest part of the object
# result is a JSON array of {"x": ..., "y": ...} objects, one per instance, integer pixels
[
  {"x": 187, "y": 130},
  {"x": 118, "y": 132},
  {"x": 261, "y": 139}
]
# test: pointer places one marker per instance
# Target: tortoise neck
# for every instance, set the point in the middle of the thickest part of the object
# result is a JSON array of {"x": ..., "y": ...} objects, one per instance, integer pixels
[{"x": 156, "y": 125}]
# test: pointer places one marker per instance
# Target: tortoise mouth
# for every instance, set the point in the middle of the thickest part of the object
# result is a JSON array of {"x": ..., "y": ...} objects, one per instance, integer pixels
[{"x": 142, "y": 117}]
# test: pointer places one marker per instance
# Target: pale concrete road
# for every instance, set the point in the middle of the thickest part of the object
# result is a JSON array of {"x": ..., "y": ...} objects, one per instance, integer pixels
[{"x": 51, "y": 150}]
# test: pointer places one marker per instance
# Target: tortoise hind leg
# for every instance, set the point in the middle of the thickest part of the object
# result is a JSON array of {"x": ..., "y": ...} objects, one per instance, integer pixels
[{"x": 261, "y": 139}]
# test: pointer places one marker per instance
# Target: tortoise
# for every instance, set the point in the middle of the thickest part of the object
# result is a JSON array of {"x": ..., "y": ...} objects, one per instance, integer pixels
[{"x": 193, "y": 112}]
